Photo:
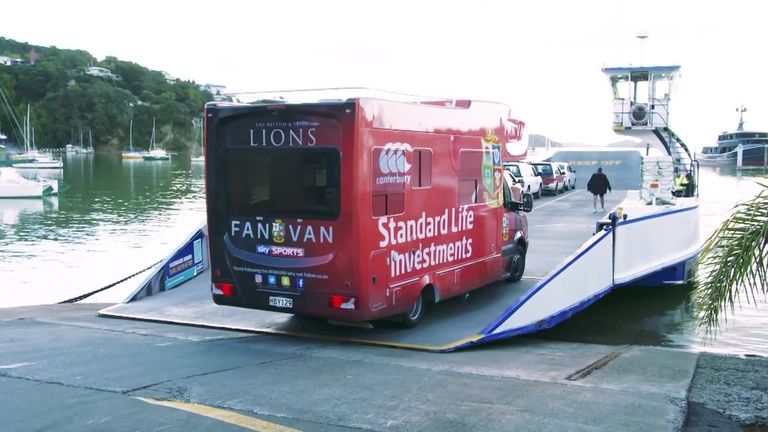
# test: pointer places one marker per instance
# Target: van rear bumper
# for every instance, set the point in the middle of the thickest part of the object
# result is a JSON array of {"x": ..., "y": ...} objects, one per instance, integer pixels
[{"x": 307, "y": 304}]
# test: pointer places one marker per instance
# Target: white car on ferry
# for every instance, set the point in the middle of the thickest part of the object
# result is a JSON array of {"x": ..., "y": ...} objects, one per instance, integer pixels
[
  {"x": 526, "y": 176},
  {"x": 570, "y": 175}
]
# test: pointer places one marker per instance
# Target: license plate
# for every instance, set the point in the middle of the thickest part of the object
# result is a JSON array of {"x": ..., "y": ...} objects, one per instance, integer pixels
[{"x": 281, "y": 302}]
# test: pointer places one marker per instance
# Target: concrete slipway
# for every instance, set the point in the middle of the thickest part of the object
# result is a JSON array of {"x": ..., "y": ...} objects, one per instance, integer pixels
[{"x": 62, "y": 368}]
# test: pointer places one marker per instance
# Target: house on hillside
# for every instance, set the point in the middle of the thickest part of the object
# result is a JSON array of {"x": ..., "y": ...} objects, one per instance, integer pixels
[
  {"x": 170, "y": 79},
  {"x": 216, "y": 90},
  {"x": 101, "y": 72},
  {"x": 8, "y": 61}
]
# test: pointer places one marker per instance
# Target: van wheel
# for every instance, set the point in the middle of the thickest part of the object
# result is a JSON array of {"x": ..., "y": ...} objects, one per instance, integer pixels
[
  {"x": 538, "y": 194},
  {"x": 516, "y": 264},
  {"x": 413, "y": 317}
]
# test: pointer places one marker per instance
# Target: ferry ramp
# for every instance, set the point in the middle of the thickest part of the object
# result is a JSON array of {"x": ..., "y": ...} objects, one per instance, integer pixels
[
  {"x": 558, "y": 226},
  {"x": 568, "y": 267}
]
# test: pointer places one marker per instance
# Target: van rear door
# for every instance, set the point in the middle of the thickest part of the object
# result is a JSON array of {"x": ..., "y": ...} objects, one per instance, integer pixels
[{"x": 274, "y": 198}]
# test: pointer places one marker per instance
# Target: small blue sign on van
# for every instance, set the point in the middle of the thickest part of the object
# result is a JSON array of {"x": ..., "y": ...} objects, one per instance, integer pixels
[{"x": 186, "y": 263}]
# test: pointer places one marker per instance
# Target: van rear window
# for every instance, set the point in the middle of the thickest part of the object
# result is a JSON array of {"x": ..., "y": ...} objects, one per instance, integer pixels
[
  {"x": 286, "y": 182},
  {"x": 545, "y": 169},
  {"x": 514, "y": 170}
]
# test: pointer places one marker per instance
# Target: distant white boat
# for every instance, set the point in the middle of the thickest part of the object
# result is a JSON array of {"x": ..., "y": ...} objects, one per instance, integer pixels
[
  {"x": 14, "y": 185},
  {"x": 42, "y": 162},
  {"x": 155, "y": 154},
  {"x": 197, "y": 148},
  {"x": 132, "y": 154},
  {"x": 32, "y": 158},
  {"x": 89, "y": 149}
]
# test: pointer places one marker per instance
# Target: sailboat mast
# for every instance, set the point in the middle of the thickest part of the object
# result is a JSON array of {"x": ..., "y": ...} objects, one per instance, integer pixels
[
  {"x": 26, "y": 133},
  {"x": 152, "y": 140},
  {"x": 130, "y": 136}
]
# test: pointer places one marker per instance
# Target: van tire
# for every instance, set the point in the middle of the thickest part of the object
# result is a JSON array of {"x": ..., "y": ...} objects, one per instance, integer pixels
[
  {"x": 538, "y": 194},
  {"x": 413, "y": 317},
  {"x": 516, "y": 264}
]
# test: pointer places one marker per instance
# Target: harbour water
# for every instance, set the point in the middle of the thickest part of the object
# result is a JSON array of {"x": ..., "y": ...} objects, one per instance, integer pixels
[{"x": 118, "y": 217}]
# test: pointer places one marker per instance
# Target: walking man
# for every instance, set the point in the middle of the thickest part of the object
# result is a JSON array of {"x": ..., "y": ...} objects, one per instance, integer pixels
[{"x": 598, "y": 184}]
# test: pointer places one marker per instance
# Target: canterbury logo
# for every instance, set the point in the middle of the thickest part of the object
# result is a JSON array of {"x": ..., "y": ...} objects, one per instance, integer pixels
[{"x": 392, "y": 158}]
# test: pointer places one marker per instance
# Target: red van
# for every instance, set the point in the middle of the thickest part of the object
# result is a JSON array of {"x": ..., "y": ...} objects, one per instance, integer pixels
[
  {"x": 360, "y": 209},
  {"x": 553, "y": 178}
]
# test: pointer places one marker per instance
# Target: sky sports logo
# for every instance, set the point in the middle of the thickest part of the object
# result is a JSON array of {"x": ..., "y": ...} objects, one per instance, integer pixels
[
  {"x": 281, "y": 251},
  {"x": 393, "y": 163}
]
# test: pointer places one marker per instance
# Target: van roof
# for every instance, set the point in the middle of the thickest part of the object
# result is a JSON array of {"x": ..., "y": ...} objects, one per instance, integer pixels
[
  {"x": 347, "y": 94},
  {"x": 332, "y": 94}
]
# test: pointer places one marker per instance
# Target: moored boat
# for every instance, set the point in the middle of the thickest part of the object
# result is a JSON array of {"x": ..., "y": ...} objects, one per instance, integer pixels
[
  {"x": 737, "y": 148},
  {"x": 14, "y": 185},
  {"x": 33, "y": 159},
  {"x": 132, "y": 154},
  {"x": 154, "y": 153}
]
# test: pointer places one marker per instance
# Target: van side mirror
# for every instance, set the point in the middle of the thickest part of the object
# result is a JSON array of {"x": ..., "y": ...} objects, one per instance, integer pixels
[
  {"x": 525, "y": 205},
  {"x": 507, "y": 197}
]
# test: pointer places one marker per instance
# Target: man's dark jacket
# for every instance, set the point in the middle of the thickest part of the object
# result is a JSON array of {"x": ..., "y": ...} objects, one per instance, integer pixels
[{"x": 598, "y": 184}]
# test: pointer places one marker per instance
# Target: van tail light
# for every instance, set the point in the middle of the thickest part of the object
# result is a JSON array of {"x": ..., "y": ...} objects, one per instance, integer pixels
[
  {"x": 223, "y": 288},
  {"x": 342, "y": 302}
]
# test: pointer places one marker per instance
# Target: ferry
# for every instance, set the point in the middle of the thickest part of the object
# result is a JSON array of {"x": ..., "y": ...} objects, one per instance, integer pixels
[
  {"x": 737, "y": 148},
  {"x": 648, "y": 235}
]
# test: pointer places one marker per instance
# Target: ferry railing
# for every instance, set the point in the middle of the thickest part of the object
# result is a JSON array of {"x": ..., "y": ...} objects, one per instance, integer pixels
[{"x": 695, "y": 168}]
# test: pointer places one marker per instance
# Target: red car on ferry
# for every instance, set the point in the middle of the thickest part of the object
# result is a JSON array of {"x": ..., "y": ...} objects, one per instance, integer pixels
[
  {"x": 552, "y": 176},
  {"x": 361, "y": 209}
]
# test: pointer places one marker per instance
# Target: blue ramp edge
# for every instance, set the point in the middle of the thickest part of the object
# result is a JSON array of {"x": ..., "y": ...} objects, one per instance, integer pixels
[
  {"x": 542, "y": 284},
  {"x": 672, "y": 273}
]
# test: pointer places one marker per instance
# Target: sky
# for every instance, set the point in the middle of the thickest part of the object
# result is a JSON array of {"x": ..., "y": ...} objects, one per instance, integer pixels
[{"x": 543, "y": 58}]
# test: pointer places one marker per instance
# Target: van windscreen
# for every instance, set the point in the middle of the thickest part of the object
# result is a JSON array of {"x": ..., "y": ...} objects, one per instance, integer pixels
[{"x": 288, "y": 182}]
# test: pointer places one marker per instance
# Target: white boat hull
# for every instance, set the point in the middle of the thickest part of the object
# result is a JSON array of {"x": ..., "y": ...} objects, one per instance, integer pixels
[
  {"x": 13, "y": 185},
  {"x": 40, "y": 165}
]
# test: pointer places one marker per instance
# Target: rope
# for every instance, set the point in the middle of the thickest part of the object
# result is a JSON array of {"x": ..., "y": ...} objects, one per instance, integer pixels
[{"x": 86, "y": 295}]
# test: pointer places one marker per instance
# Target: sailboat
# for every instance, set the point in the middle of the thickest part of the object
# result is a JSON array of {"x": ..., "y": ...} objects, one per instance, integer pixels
[
  {"x": 131, "y": 154},
  {"x": 198, "y": 147},
  {"x": 14, "y": 185},
  {"x": 89, "y": 149},
  {"x": 39, "y": 160},
  {"x": 155, "y": 153}
]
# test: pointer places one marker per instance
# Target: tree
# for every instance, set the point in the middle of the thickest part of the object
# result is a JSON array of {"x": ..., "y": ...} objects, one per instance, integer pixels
[
  {"x": 65, "y": 101},
  {"x": 733, "y": 262}
]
